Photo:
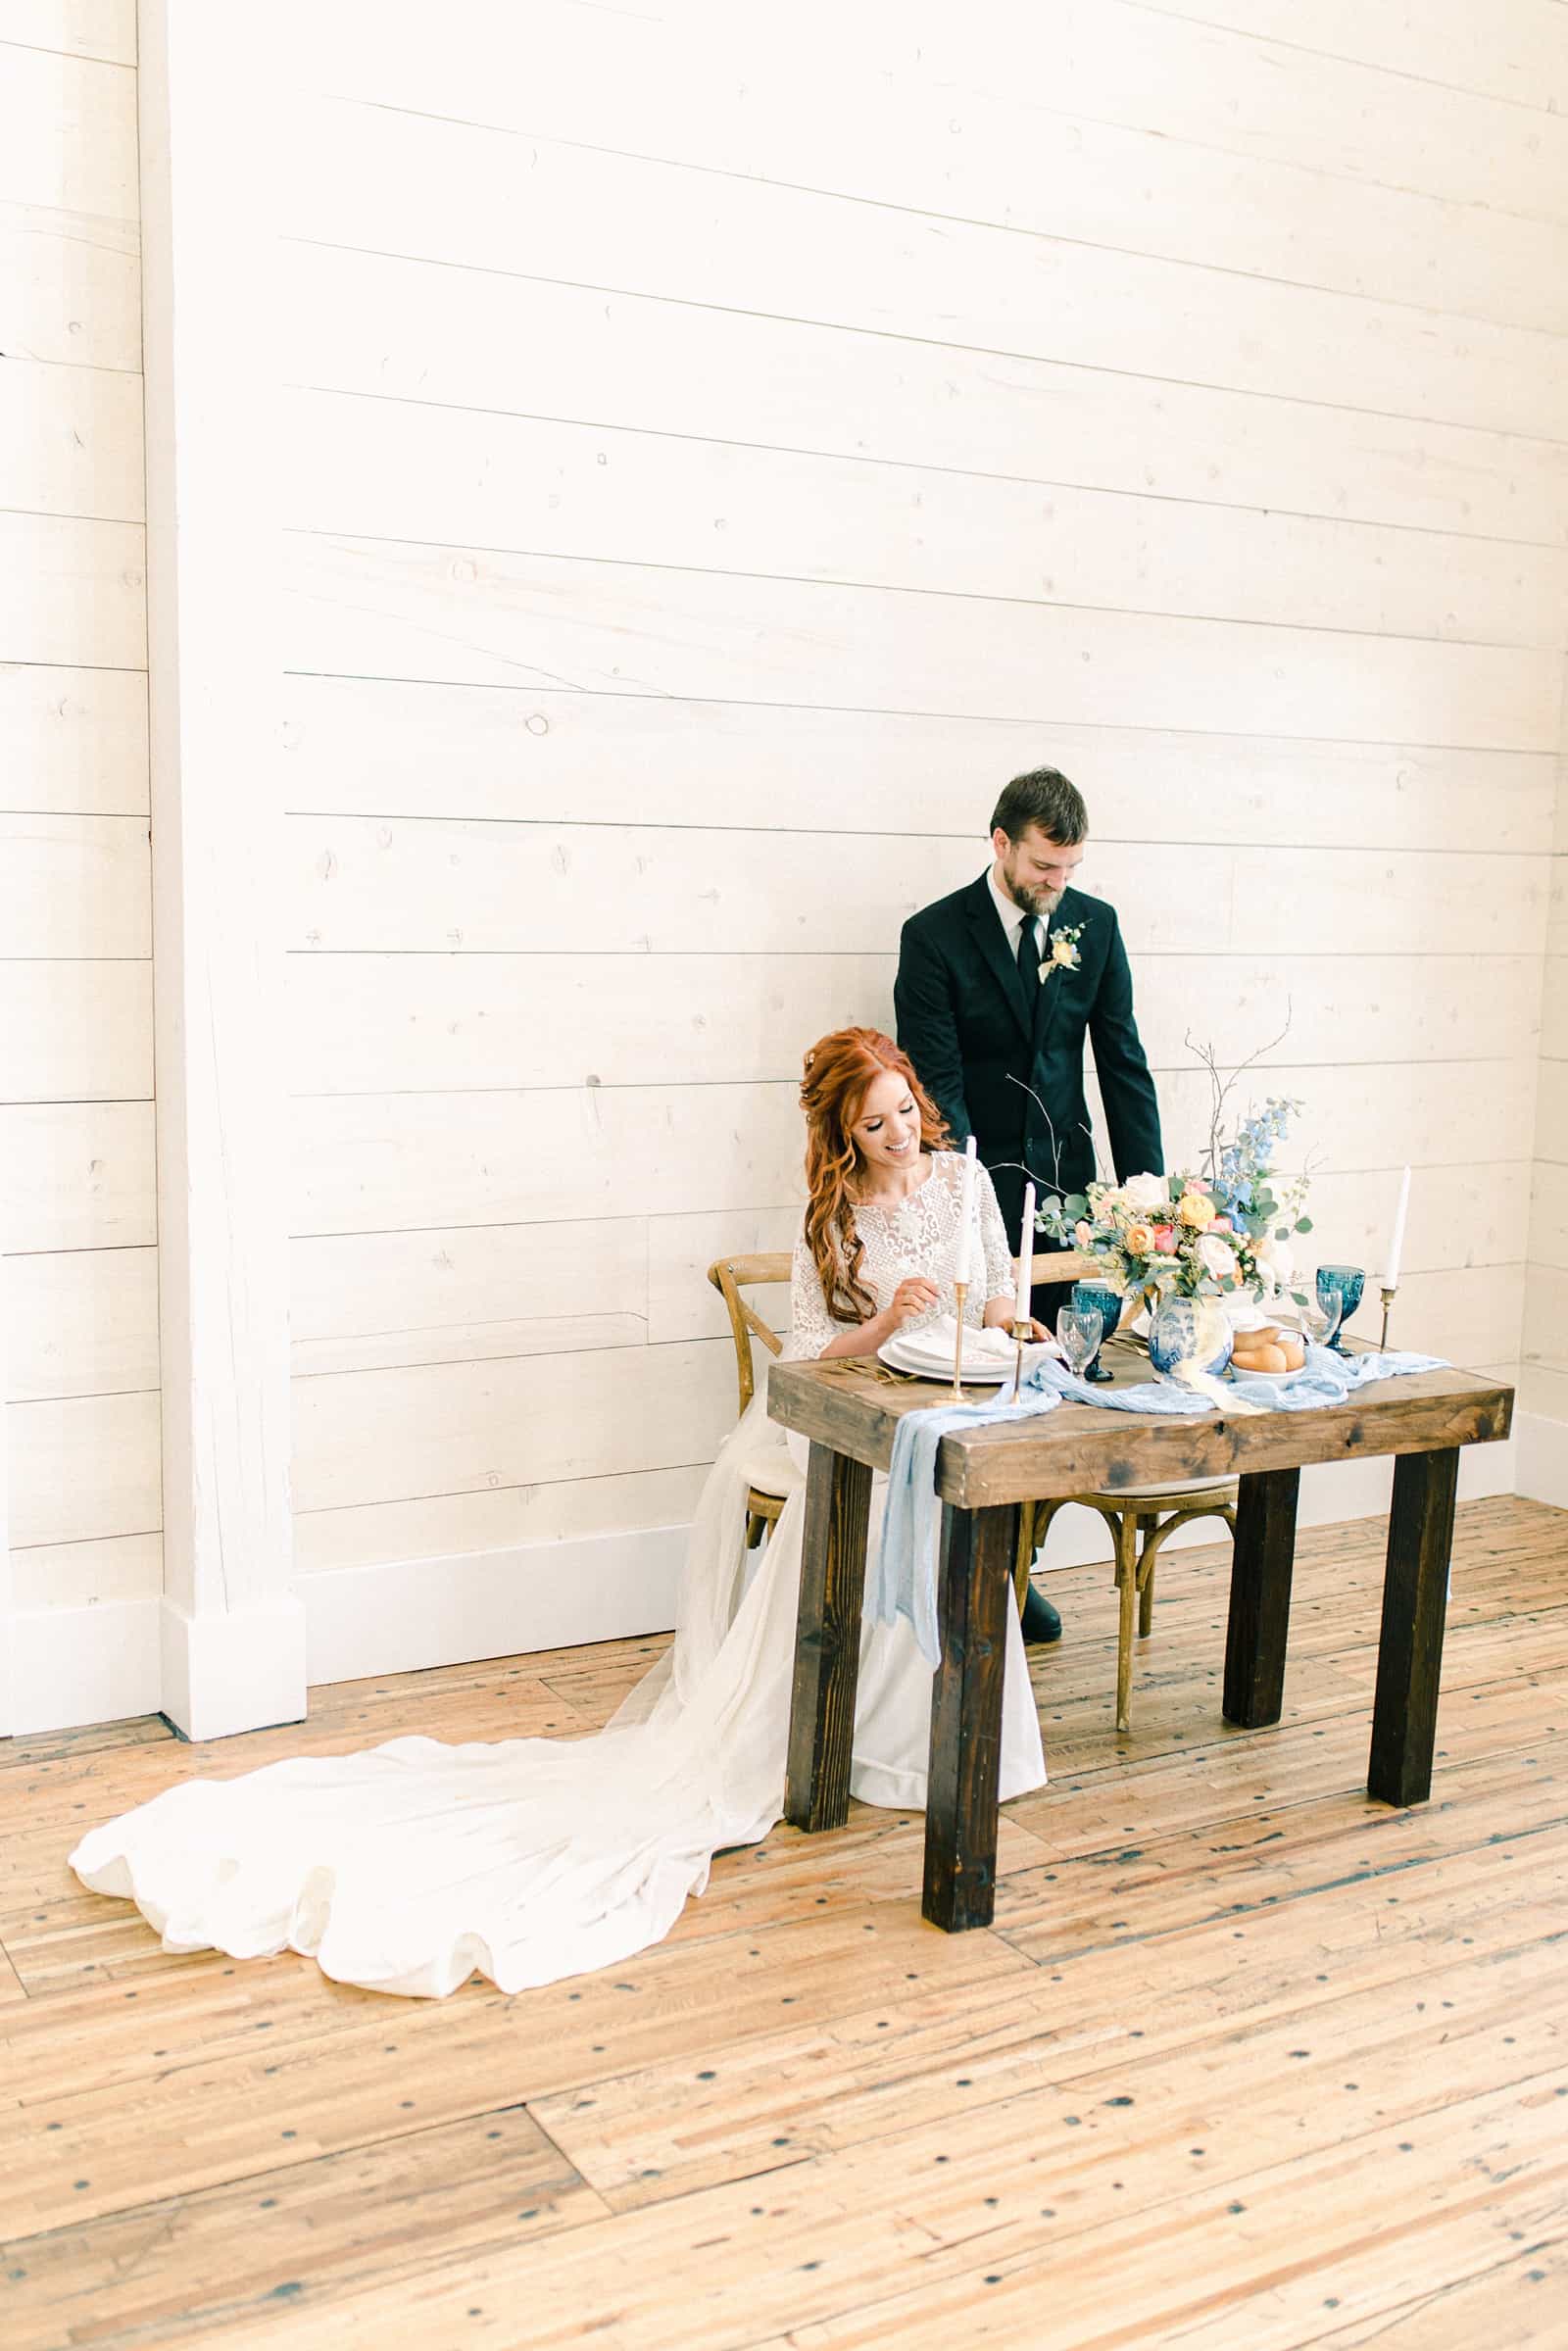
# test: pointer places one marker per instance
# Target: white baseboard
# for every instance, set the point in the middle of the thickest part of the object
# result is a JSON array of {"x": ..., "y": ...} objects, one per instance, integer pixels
[
  {"x": 1542, "y": 1449},
  {"x": 101, "y": 1663},
  {"x": 241, "y": 1671},
  {"x": 415, "y": 1613},
  {"x": 96, "y": 1664}
]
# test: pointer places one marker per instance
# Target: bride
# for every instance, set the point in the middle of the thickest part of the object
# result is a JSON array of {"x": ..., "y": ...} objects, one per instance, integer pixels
[{"x": 406, "y": 1868}]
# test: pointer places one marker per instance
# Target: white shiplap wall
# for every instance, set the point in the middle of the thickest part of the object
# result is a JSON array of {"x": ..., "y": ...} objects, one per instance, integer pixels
[
  {"x": 1544, "y": 1385},
  {"x": 714, "y": 465},
  {"x": 77, "y": 1195}
]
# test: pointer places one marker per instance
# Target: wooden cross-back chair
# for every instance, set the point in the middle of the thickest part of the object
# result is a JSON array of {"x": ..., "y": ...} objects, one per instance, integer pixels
[
  {"x": 729, "y": 1277},
  {"x": 1140, "y": 1519}
]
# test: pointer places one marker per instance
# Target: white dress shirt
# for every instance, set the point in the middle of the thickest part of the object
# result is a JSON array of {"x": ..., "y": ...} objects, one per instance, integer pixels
[{"x": 1012, "y": 919}]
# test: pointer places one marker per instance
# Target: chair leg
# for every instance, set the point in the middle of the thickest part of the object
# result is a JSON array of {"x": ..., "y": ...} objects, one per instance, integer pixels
[
  {"x": 755, "y": 1526},
  {"x": 1127, "y": 1590},
  {"x": 1145, "y": 1580}
]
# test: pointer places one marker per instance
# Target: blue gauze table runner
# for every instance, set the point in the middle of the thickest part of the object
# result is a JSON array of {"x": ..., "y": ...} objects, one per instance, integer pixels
[{"x": 903, "y": 1580}]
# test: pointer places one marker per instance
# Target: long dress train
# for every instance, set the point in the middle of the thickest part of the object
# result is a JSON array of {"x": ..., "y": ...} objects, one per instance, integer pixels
[{"x": 408, "y": 1866}]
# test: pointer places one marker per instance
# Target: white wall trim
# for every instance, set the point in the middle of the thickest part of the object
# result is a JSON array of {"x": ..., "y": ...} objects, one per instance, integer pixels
[
  {"x": 96, "y": 1664},
  {"x": 212, "y": 539},
  {"x": 1542, "y": 1458},
  {"x": 415, "y": 1613},
  {"x": 101, "y": 1663}
]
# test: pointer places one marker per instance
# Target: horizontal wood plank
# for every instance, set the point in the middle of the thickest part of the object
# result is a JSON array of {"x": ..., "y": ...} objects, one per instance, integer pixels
[
  {"x": 374, "y": 747},
  {"x": 76, "y": 887},
  {"x": 449, "y": 1428},
  {"x": 447, "y": 1526},
  {"x": 405, "y": 329},
  {"x": 78, "y": 1175},
  {"x": 390, "y": 610},
  {"x": 73, "y": 593},
  {"x": 70, "y": 287},
  {"x": 80, "y": 1031},
  {"x": 71, "y": 442},
  {"x": 88, "y": 1574},
  {"x": 402, "y": 182},
  {"x": 83, "y": 1468},
  {"x": 73, "y": 742},
  {"x": 440, "y": 886},
  {"x": 83, "y": 1323},
  {"x": 101, "y": 28},
  {"x": 69, "y": 126},
  {"x": 396, "y": 469}
]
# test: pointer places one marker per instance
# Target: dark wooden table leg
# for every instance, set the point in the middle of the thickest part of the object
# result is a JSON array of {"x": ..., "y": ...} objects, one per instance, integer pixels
[
  {"x": 1415, "y": 1600},
  {"x": 1260, "y": 1598},
  {"x": 827, "y": 1641},
  {"x": 974, "y": 1594}
]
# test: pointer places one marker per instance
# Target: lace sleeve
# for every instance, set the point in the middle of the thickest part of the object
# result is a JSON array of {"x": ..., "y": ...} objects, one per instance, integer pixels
[
  {"x": 1000, "y": 1277},
  {"x": 812, "y": 1327}
]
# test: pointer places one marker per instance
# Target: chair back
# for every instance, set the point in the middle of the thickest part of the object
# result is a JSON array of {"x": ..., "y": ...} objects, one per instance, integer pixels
[{"x": 729, "y": 1277}]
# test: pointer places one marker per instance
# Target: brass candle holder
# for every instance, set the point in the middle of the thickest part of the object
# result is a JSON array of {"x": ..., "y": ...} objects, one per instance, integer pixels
[
  {"x": 1387, "y": 1297},
  {"x": 960, "y": 1291}
]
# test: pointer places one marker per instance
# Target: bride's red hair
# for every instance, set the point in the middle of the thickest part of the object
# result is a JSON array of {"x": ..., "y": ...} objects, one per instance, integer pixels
[{"x": 839, "y": 1072}]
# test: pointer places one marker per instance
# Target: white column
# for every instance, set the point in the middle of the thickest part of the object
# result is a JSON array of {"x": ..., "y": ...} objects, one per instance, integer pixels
[
  {"x": 212, "y": 144},
  {"x": 7, "y": 1695}
]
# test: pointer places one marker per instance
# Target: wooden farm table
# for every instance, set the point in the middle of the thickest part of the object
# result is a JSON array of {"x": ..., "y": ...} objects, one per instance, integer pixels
[{"x": 849, "y": 1413}]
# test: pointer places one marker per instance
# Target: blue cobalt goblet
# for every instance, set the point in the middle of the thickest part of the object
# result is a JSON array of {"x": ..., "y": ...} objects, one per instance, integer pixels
[
  {"x": 1341, "y": 1284},
  {"x": 1098, "y": 1297},
  {"x": 1181, "y": 1325}
]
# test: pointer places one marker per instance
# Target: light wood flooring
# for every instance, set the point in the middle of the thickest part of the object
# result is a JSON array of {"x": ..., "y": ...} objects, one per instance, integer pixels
[{"x": 1244, "y": 2061}]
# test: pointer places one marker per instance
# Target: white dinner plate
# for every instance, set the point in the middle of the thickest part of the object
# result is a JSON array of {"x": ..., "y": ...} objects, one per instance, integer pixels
[{"x": 979, "y": 1370}]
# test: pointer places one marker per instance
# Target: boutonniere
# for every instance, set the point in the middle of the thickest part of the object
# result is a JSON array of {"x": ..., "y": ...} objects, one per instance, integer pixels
[{"x": 1063, "y": 956}]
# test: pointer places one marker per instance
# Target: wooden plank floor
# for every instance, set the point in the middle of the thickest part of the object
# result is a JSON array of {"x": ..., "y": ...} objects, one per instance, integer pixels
[{"x": 1243, "y": 2057}]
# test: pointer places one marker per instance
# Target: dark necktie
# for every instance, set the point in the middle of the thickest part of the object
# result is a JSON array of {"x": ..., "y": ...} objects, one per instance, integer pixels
[{"x": 1028, "y": 965}]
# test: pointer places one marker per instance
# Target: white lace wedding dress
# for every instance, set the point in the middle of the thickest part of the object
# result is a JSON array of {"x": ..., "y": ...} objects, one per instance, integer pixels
[{"x": 406, "y": 1868}]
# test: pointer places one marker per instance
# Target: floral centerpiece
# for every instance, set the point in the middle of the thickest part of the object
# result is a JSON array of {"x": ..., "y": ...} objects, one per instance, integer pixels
[{"x": 1222, "y": 1232}]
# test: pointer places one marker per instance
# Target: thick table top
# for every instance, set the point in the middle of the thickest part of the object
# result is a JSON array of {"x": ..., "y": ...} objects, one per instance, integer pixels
[{"x": 855, "y": 1405}]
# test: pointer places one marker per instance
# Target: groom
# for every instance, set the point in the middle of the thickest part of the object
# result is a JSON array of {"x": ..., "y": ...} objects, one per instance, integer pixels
[{"x": 998, "y": 987}]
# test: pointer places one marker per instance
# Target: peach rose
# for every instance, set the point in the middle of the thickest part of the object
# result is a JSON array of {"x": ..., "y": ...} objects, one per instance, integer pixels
[
  {"x": 1139, "y": 1239},
  {"x": 1082, "y": 1232}
]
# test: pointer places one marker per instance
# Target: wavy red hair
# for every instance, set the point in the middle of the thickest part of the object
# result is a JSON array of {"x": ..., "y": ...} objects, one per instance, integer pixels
[{"x": 839, "y": 1072}]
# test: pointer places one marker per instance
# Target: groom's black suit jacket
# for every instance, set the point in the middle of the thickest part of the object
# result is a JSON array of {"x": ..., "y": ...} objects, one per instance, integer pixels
[{"x": 966, "y": 1024}]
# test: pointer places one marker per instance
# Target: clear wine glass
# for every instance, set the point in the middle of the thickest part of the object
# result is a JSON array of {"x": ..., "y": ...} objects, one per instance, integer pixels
[
  {"x": 1320, "y": 1317},
  {"x": 1078, "y": 1333}
]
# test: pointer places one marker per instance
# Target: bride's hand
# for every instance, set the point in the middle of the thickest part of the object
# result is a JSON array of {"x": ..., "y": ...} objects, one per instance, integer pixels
[{"x": 913, "y": 1296}]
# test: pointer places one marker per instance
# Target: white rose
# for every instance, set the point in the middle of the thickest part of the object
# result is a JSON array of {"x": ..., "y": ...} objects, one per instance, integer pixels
[
  {"x": 1215, "y": 1255},
  {"x": 1278, "y": 1256},
  {"x": 1145, "y": 1191}
]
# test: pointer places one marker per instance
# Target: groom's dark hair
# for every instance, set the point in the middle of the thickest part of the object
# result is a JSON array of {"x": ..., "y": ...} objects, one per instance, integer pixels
[{"x": 1044, "y": 796}]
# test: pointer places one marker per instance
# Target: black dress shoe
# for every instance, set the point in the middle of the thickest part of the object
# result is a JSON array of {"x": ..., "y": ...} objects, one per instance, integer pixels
[{"x": 1039, "y": 1623}]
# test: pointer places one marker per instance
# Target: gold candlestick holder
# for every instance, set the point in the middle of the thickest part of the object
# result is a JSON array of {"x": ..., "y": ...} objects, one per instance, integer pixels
[
  {"x": 960, "y": 1291},
  {"x": 1387, "y": 1297}
]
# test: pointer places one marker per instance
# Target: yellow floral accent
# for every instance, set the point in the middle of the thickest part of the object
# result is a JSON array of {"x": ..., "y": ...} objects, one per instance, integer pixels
[
  {"x": 1139, "y": 1239},
  {"x": 1197, "y": 1211}
]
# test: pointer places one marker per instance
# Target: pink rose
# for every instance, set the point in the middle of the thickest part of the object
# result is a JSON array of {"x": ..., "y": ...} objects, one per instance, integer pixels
[
  {"x": 1082, "y": 1232},
  {"x": 1165, "y": 1240}
]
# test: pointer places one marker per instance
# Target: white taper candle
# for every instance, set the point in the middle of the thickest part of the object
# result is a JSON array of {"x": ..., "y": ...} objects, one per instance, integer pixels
[
  {"x": 1026, "y": 1253},
  {"x": 961, "y": 1267},
  {"x": 1390, "y": 1279}
]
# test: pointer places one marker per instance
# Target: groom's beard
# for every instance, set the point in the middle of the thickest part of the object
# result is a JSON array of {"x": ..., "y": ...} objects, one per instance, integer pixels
[{"x": 1042, "y": 904}]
